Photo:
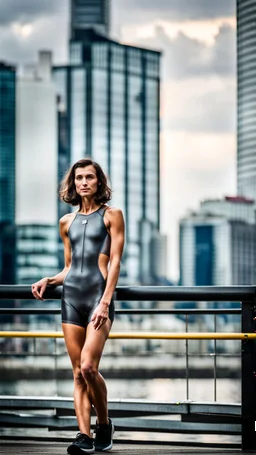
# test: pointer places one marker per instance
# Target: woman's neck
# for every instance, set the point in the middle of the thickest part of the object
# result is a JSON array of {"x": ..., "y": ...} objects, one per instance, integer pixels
[{"x": 88, "y": 206}]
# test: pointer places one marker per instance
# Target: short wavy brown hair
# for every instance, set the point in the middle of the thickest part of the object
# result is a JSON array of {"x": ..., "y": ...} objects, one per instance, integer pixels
[{"x": 68, "y": 192}]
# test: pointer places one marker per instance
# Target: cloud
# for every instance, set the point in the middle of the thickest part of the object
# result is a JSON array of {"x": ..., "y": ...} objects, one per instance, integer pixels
[
  {"x": 199, "y": 82},
  {"x": 223, "y": 58},
  {"x": 202, "y": 158},
  {"x": 23, "y": 11},
  {"x": 141, "y": 11},
  {"x": 199, "y": 105},
  {"x": 184, "y": 57},
  {"x": 19, "y": 43}
]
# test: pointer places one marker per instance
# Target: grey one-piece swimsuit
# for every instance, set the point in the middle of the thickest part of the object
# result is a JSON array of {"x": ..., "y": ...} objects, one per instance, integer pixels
[{"x": 84, "y": 284}]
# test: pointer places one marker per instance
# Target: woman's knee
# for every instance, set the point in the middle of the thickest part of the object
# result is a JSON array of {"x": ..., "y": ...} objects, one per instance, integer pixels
[
  {"x": 89, "y": 371},
  {"x": 78, "y": 377}
]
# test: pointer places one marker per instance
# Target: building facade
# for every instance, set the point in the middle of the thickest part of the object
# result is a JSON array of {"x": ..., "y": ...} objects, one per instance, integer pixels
[
  {"x": 36, "y": 173},
  {"x": 37, "y": 145},
  {"x": 7, "y": 142},
  {"x": 216, "y": 248},
  {"x": 36, "y": 252},
  {"x": 237, "y": 208},
  {"x": 246, "y": 98},
  {"x": 109, "y": 97},
  {"x": 7, "y": 172},
  {"x": 89, "y": 14}
]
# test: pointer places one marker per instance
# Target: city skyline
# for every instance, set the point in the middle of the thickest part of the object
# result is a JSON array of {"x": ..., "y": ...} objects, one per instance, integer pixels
[{"x": 198, "y": 110}]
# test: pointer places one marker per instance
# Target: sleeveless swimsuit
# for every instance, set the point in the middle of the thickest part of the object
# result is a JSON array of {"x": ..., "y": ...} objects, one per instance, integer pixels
[{"x": 84, "y": 283}]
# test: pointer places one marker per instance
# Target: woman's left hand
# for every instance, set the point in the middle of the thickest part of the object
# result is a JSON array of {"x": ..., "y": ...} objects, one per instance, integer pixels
[{"x": 100, "y": 315}]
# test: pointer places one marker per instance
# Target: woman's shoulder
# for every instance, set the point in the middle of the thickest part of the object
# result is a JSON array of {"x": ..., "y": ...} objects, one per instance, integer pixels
[
  {"x": 114, "y": 216},
  {"x": 112, "y": 211},
  {"x": 66, "y": 218}
]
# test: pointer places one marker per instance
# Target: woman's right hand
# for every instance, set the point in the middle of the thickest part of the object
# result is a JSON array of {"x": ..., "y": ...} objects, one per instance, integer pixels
[{"x": 38, "y": 288}]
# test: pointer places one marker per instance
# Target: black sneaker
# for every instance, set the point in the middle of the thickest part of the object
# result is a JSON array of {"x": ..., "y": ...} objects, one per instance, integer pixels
[
  {"x": 82, "y": 444},
  {"x": 104, "y": 434}
]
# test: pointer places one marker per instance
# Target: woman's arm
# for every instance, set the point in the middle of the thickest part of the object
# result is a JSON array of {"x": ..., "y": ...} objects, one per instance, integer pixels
[
  {"x": 115, "y": 225},
  {"x": 39, "y": 287}
]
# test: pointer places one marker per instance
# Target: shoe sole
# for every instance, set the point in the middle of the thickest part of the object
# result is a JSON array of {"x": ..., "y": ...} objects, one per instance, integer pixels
[
  {"x": 109, "y": 447},
  {"x": 74, "y": 450}
]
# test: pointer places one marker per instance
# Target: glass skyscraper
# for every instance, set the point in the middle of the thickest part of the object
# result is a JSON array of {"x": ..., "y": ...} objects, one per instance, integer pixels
[
  {"x": 36, "y": 252},
  {"x": 7, "y": 173},
  {"x": 246, "y": 74},
  {"x": 109, "y": 102},
  {"x": 7, "y": 142},
  {"x": 89, "y": 14}
]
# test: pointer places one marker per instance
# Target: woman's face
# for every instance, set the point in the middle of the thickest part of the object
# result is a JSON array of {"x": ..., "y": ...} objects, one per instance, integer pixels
[{"x": 86, "y": 181}]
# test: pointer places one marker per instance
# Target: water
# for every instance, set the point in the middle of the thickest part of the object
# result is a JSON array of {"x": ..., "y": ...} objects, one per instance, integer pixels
[{"x": 149, "y": 389}]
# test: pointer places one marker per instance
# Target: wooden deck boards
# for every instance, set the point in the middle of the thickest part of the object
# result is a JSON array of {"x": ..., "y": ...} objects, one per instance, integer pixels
[{"x": 35, "y": 447}]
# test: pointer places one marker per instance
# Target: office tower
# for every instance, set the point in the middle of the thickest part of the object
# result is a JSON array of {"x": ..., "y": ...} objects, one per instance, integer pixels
[
  {"x": 36, "y": 172},
  {"x": 109, "y": 98},
  {"x": 153, "y": 254},
  {"x": 37, "y": 254},
  {"x": 218, "y": 248},
  {"x": 86, "y": 14},
  {"x": 237, "y": 208},
  {"x": 36, "y": 149},
  {"x": 246, "y": 98},
  {"x": 7, "y": 173}
]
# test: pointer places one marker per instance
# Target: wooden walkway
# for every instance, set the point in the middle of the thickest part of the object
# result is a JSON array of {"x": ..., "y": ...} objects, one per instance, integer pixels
[{"x": 36, "y": 447}]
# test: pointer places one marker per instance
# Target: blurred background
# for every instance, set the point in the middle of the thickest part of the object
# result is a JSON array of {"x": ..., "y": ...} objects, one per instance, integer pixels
[{"x": 162, "y": 95}]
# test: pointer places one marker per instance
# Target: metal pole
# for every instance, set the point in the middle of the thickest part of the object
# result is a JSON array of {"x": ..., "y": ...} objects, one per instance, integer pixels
[
  {"x": 141, "y": 335},
  {"x": 215, "y": 361},
  {"x": 248, "y": 383},
  {"x": 187, "y": 367}
]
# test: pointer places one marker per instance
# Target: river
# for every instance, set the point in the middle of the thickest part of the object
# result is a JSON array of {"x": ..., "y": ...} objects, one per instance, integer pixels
[{"x": 227, "y": 390}]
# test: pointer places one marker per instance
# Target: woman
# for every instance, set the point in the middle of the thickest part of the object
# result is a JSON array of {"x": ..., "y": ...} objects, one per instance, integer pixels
[{"x": 93, "y": 238}]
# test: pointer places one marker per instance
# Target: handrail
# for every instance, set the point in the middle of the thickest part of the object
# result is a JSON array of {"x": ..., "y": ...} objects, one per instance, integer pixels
[
  {"x": 244, "y": 294},
  {"x": 140, "y": 335},
  {"x": 133, "y": 293},
  {"x": 129, "y": 311}
]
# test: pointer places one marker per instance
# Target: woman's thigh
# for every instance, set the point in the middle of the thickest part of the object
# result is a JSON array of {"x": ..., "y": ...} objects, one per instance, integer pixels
[
  {"x": 74, "y": 336},
  {"x": 94, "y": 343}
]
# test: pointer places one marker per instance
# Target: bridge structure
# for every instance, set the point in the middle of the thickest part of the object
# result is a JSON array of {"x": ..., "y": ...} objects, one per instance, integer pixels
[{"x": 57, "y": 413}]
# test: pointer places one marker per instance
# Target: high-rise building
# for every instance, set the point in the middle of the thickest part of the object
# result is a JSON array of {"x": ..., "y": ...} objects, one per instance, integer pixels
[
  {"x": 246, "y": 98},
  {"x": 218, "y": 248},
  {"x": 7, "y": 142},
  {"x": 237, "y": 208},
  {"x": 36, "y": 173},
  {"x": 86, "y": 14},
  {"x": 153, "y": 254},
  {"x": 109, "y": 102},
  {"x": 7, "y": 172},
  {"x": 36, "y": 252},
  {"x": 36, "y": 149}
]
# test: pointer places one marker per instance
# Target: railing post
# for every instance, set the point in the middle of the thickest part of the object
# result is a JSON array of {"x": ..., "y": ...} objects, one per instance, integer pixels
[{"x": 248, "y": 378}]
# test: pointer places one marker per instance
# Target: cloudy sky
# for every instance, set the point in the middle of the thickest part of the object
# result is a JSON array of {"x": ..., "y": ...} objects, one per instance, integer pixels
[{"x": 198, "y": 100}]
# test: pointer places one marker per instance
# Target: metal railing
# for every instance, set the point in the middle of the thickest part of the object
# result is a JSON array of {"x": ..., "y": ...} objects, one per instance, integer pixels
[{"x": 244, "y": 294}]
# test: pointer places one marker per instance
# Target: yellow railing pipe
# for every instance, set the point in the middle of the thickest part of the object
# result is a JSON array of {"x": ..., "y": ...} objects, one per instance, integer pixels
[{"x": 140, "y": 335}]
